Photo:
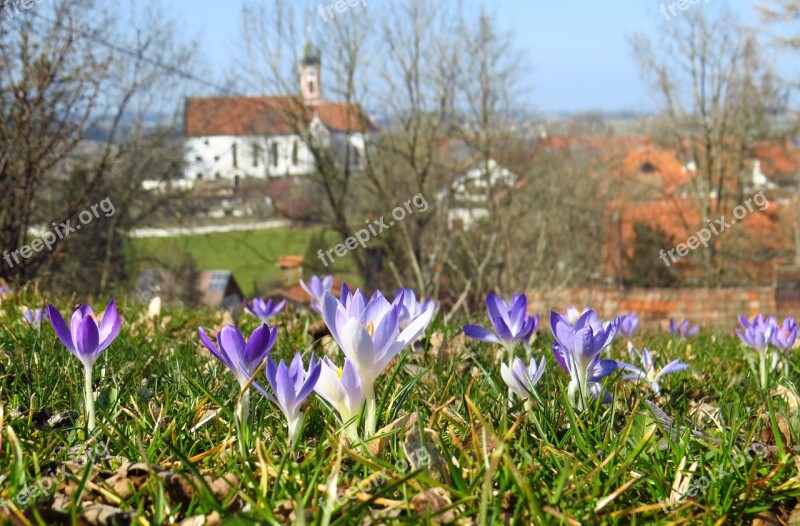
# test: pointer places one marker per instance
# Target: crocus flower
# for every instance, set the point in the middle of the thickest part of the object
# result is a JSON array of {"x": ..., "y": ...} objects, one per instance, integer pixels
[
  {"x": 628, "y": 323},
  {"x": 369, "y": 335},
  {"x": 316, "y": 289},
  {"x": 511, "y": 322},
  {"x": 648, "y": 372},
  {"x": 785, "y": 334},
  {"x": 520, "y": 379},
  {"x": 264, "y": 310},
  {"x": 85, "y": 338},
  {"x": 291, "y": 386},
  {"x": 758, "y": 334},
  {"x": 573, "y": 314},
  {"x": 577, "y": 349},
  {"x": 243, "y": 359},
  {"x": 341, "y": 388},
  {"x": 410, "y": 307},
  {"x": 32, "y": 316},
  {"x": 240, "y": 356},
  {"x": 682, "y": 329}
]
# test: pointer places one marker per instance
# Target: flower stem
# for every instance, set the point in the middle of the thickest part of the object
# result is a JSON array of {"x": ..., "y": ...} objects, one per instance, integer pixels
[
  {"x": 295, "y": 427},
  {"x": 89, "y": 397},
  {"x": 242, "y": 416},
  {"x": 762, "y": 369},
  {"x": 371, "y": 414}
]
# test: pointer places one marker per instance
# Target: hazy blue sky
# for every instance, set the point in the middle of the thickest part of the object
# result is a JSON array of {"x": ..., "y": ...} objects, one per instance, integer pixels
[{"x": 577, "y": 50}]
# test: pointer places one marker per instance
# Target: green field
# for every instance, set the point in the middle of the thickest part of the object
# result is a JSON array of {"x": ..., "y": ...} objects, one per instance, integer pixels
[{"x": 252, "y": 256}]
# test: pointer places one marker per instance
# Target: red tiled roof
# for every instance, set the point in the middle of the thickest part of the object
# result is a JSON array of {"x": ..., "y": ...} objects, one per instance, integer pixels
[
  {"x": 290, "y": 261},
  {"x": 776, "y": 159},
  {"x": 297, "y": 294},
  {"x": 662, "y": 163},
  {"x": 267, "y": 116},
  {"x": 342, "y": 116}
]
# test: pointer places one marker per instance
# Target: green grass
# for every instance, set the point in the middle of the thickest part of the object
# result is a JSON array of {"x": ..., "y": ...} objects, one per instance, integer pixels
[
  {"x": 251, "y": 256},
  {"x": 489, "y": 463}
]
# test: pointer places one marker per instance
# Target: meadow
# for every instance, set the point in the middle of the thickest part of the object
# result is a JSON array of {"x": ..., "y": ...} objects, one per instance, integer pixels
[
  {"x": 453, "y": 444},
  {"x": 245, "y": 253}
]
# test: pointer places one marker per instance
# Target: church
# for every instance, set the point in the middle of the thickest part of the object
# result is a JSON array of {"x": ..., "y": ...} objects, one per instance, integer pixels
[{"x": 231, "y": 138}]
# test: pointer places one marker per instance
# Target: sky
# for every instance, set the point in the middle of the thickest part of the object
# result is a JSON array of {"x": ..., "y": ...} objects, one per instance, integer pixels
[{"x": 577, "y": 52}]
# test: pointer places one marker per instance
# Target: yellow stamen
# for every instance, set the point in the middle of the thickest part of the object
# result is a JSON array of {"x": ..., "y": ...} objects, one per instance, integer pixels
[
  {"x": 339, "y": 371},
  {"x": 371, "y": 328}
]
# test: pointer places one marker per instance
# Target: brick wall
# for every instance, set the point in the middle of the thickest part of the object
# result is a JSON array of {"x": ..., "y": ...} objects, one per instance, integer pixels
[{"x": 708, "y": 307}]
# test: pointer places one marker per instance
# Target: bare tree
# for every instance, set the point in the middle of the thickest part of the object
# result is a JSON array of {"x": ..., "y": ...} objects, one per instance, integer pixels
[
  {"x": 782, "y": 13},
  {"x": 74, "y": 94},
  {"x": 716, "y": 95},
  {"x": 435, "y": 75}
]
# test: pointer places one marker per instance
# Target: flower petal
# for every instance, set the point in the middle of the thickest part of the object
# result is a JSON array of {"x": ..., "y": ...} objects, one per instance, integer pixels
[
  {"x": 61, "y": 329},
  {"x": 476, "y": 332},
  {"x": 87, "y": 338},
  {"x": 109, "y": 327}
]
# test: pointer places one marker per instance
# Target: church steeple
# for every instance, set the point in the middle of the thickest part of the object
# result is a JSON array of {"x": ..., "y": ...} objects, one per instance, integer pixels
[{"x": 310, "y": 80}]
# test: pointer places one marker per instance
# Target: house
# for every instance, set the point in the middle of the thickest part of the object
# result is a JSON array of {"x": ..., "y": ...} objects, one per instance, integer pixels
[
  {"x": 230, "y": 138},
  {"x": 654, "y": 198},
  {"x": 212, "y": 288},
  {"x": 291, "y": 269},
  {"x": 219, "y": 289},
  {"x": 474, "y": 182},
  {"x": 471, "y": 189},
  {"x": 295, "y": 294}
]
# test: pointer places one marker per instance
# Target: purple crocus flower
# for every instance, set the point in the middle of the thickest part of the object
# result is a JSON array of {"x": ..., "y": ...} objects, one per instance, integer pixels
[
  {"x": 520, "y": 379},
  {"x": 291, "y": 386},
  {"x": 243, "y": 358},
  {"x": 369, "y": 334},
  {"x": 240, "y": 356},
  {"x": 573, "y": 314},
  {"x": 577, "y": 349},
  {"x": 264, "y": 310},
  {"x": 682, "y": 329},
  {"x": 783, "y": 338},
  {"x": 757, "y": 334},
  {"x": 785, "y": 334},
  {"x": 85, "y": 338},
  {"x": 628, "y": 323},
  {"x": 648, "y": 372},
  {"x": 316, "y": 289},
  {"x": 511, "y": 322},
  {"x": 32, "y": 316},
  {"x": 410, "y": 307},
  {"x": 341, "y": 388}
]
